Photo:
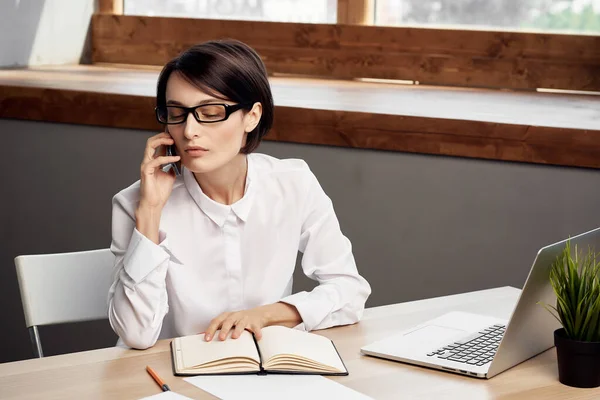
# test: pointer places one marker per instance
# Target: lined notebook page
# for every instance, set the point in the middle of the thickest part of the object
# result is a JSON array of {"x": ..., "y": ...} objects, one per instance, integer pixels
[
  {"x": 281, "y": 340},
  {"x": 196, "y": 351}
]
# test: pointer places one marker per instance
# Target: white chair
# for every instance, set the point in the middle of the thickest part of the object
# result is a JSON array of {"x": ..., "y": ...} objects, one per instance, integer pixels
[{"x": 60, "y": 288}]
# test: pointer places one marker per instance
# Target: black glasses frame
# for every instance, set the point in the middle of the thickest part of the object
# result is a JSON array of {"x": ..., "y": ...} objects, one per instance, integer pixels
[{"x": 229, "y": 109}]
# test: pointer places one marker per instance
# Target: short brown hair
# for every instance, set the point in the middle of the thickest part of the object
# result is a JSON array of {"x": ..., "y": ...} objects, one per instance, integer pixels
[{"x": 227, "y": 69}]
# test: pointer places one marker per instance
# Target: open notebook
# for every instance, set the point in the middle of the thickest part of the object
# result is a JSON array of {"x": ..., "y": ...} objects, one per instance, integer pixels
[{"x": 281, "y": 350}]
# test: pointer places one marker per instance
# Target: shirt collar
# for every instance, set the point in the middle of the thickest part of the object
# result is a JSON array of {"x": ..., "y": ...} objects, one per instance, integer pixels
[{"x": 218, "y": 212}]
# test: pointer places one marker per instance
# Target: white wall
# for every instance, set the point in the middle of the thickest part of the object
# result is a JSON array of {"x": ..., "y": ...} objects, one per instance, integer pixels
[{"x": 41, "y": 32}]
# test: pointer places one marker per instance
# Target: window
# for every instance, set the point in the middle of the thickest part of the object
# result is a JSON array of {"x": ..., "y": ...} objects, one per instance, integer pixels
[
  {"x": 548, "y": 15},
  {"x": 311, "y": 11}
]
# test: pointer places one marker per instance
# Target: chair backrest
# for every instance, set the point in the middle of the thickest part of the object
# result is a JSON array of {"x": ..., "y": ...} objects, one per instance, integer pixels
[{"x": 66, "y": 287}]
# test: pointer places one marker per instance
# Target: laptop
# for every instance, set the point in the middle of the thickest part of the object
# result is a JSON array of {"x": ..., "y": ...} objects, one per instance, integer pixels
[{"x": 483, "y": 346}]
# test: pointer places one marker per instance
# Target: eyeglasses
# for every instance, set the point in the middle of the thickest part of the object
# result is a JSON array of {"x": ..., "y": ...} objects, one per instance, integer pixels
[{"x": 205, "y": 113}]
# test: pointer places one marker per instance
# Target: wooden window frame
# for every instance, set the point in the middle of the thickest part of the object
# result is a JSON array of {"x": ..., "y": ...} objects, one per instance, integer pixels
[
  {"x": 444, "y": 57},
  {"x": 356, "y": 12},
  {"x": 115, "y": 7},
  {"x": 353, "y": 49}
]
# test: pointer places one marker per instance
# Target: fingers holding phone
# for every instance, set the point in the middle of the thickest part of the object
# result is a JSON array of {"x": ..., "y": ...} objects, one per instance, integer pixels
[{"x": 156, "y": 184}]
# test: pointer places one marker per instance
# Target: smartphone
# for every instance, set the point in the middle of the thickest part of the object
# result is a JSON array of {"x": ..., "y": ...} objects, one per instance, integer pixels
[
  {"x": 172, "y": 152},
  {"x": 175, "y": 165}
]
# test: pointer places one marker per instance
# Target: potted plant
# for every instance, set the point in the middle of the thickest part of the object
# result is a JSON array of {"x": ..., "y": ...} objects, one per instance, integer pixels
[{"x": 575, "y": 279}]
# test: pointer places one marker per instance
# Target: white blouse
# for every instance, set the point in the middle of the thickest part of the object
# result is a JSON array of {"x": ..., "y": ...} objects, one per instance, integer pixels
[{"x": 214, "y": 258}]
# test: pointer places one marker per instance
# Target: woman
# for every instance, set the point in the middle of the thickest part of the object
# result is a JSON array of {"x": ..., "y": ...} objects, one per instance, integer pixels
[{"x": 214, "y": 250}]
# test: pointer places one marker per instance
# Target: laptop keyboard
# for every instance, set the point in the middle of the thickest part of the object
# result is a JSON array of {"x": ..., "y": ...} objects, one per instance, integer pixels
[{"x": 477, "y": 349}]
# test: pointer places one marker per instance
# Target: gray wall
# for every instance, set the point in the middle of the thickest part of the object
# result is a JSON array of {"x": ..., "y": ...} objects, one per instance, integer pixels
[{"x": 421, "y": 226}]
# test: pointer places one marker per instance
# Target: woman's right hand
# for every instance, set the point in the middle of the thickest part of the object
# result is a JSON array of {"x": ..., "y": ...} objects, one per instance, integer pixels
[{"x": 155, "y": 184}]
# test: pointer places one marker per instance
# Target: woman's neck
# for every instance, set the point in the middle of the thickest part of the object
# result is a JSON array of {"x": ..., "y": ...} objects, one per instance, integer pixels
[{"x": 227, "y": 184}]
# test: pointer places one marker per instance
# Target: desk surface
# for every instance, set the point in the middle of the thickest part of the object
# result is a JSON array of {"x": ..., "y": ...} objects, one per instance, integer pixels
[{"x": 120, "y": 373}]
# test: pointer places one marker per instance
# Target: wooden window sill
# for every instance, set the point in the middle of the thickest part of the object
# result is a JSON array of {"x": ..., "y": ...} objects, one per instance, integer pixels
[{"x": 544, "y": 128}]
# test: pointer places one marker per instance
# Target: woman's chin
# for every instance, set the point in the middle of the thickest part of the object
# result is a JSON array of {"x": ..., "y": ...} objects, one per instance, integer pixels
[
  {"x": 201, "y": 166},
  {"x": 211, "y": 162}
]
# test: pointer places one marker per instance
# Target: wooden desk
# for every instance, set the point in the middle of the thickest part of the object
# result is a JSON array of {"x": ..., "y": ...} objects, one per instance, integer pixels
[
  {"x": 545, "y": 128},
  {"x": 120, "y": 373}
]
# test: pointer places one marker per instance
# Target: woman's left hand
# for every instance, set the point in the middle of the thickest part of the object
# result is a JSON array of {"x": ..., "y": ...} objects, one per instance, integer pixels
[{"x": 252, "y": 320}]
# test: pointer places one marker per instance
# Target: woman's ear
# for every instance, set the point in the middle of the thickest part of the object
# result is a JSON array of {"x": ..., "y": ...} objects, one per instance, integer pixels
[{"x": 252, "y": 117}]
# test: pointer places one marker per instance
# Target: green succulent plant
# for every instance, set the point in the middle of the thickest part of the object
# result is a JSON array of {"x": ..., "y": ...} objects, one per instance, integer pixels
[{"x": 576, "y": 283}]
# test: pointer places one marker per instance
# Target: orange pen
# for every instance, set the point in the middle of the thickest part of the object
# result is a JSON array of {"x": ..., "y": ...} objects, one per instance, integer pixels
[{"x": 155, "y": 376}]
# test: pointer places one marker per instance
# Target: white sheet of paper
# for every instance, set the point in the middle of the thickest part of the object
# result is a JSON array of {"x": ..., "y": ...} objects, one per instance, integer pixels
[
  {"x": 274, "y": 387},
  {"x": 168, "y": 395}
]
